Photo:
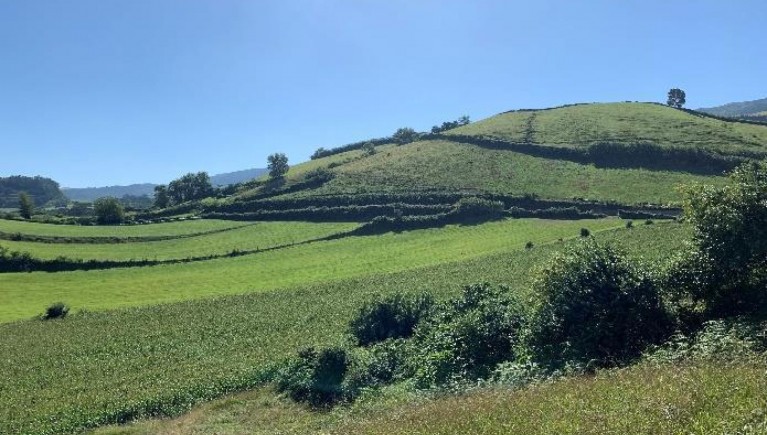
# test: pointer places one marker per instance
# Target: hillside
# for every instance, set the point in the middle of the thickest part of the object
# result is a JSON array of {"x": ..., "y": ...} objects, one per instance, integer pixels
[
  {"x": 622, "y": 153},
  {"x": 755, "y": 109},
  {"x": 40, "y": 189}
]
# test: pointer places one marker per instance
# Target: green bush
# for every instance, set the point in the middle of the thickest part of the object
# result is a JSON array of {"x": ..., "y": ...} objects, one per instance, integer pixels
[
  {"x": 375, "y": 366},
  {"x": 724, "y": 272},
  {"x": 596, "y": 308},
  {"x": 58, "y": 310},
  {"x": 393, "y": 316},
  {"x": 467, "y": 337},
  {"x": 585, "y": 232},
  {"x": 315, "y": 376}
]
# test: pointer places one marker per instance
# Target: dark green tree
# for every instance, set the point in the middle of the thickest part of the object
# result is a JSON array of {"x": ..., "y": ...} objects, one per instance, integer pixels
[
  {"x": 597, "y": 307},
  {"x": 190, "y": 187},
  {"x": 277, "y": 164},
  {"x": 26, "y": 207},
  {"x": 724, "y": 272},
  {"x": 161, "y": 198},
  {"x": 404, "y": 136},
  {"x": 676, "y": 98},
  {"x": 108, "y": 211},
  {"x": 368, "y": 149}
]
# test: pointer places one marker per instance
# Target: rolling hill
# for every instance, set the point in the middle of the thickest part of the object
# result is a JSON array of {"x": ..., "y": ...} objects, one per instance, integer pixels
[{"x": 616, "y": 153}]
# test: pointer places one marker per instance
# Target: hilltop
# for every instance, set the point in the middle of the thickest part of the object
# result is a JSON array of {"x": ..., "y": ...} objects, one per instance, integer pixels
[{"x": 624, "y": 154}]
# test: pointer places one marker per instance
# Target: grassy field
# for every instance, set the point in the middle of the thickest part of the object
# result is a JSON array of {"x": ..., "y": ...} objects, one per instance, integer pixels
[
  {"x": 625, "y": 123},
  {"x": 23, "y": 295},
  {"x": 261, "y": 235},
  {"x": 102, "y": 367},
  {"x": 183, "y": 228},
  {"x": 695, "y": 398},
  {"x": 431, "y": 165}
]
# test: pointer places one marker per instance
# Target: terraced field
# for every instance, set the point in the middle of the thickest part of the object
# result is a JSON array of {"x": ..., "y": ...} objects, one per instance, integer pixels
[
  {"x": 103, "y": 367},
  {"x": 26, "y": 294},
  {"x": 451, "y": 166},
  {"x": 167, "y": 229},
  {"x": 250, "y": 237}
]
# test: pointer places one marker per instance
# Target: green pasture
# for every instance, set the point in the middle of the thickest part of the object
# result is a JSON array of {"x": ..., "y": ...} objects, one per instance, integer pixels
[
  {"x": 180, "y": 228},
  {"x": 444, "y": 165},
  {"x": 622, "y": 123},
  {"x": 101, "y": 367},
  {"x": 25, "y": 294},
  {"x": 261, "y": 235}
]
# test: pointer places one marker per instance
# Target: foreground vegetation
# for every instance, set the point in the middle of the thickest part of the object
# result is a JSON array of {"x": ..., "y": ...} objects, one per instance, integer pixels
[
  {"x": 141, "y": 361},
  {"x": 691, "y": 397}
]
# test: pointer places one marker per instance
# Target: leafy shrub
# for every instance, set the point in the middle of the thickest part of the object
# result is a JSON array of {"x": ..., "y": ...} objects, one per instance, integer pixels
[
  {"x": 314, "y": 376},
  {"x": 724, "y": 271},
  {"x": 375, "y": 366},
  {"x": 394, "y": 316},
  {"x": 529, "y": 245},
  {"x": 467, "y": 337},
  {"x": 585, "y": 232},
  {"x": 629, "y": 224},
  {"x": 58, "y": 310},
  {"x": 596, "y": 307},
  {"x": 717, "y": 339}
]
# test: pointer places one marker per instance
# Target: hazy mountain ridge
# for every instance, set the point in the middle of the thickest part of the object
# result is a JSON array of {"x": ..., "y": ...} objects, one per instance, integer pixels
[
  {"x": 140, "y": 189},
  {"x": 754, "y": 109}
]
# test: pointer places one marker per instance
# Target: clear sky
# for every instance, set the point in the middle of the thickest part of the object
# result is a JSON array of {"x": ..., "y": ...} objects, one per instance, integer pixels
[{"x": 105, "y": 92}]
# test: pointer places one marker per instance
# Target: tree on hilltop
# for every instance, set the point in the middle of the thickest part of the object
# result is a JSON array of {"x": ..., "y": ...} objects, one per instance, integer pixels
[
  {"x": 405, "y": 135},
  {"x": 676, "y": 98},
  {"x": 277, "y": 165}
]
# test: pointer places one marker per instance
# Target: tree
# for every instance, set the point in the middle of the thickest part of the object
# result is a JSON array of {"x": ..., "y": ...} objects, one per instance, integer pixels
[
  {"x": 277, "y": 165},
  {"x": 108, "y": 211},
  {"x": 26, "y": 207},
  {"x": 724, "y": 271},
  {"x": 404, "y": 136},
  {"x": 190, "y": 187},
  {"x": 320, "y": 152},
  {"x": 676, "y": 98},
  {"x": 161, "y": 198},
  {"x": 368, "y": 149},
  {"x": 597, "y": 307}
]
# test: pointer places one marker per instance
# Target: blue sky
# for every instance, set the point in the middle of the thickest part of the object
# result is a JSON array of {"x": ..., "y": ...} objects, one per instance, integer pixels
[{"x": 105, "y": 92}]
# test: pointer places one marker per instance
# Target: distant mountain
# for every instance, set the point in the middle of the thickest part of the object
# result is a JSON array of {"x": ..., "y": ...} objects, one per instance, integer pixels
[
  {"x": 754, "y": 110},
  {"x": 237, "y": 176},
  {"x": 91, "y": 193}
]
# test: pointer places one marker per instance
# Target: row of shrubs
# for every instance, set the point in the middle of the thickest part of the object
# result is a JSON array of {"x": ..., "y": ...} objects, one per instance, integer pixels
[
  {"x": 22, "y": 237},
  {"x": 590, "y": 307},
  {"x": 326, "y": 214},
  {"x": 611, "y": 155}
]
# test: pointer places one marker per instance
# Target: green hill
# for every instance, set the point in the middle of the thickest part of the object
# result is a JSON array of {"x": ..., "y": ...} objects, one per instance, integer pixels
[{"x": 624, "y": 153}]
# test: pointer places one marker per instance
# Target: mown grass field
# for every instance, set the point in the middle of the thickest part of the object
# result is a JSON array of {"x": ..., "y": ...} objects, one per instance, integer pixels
[
  {"x": 103, "y": 367},
  {"x": 443, "y": 165},
  {"x": 622, "y": 123},
  {"x": 261, "y": 235},
  {"x": 23, "y": 295},
  {"x": 180, "y": 228}
]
